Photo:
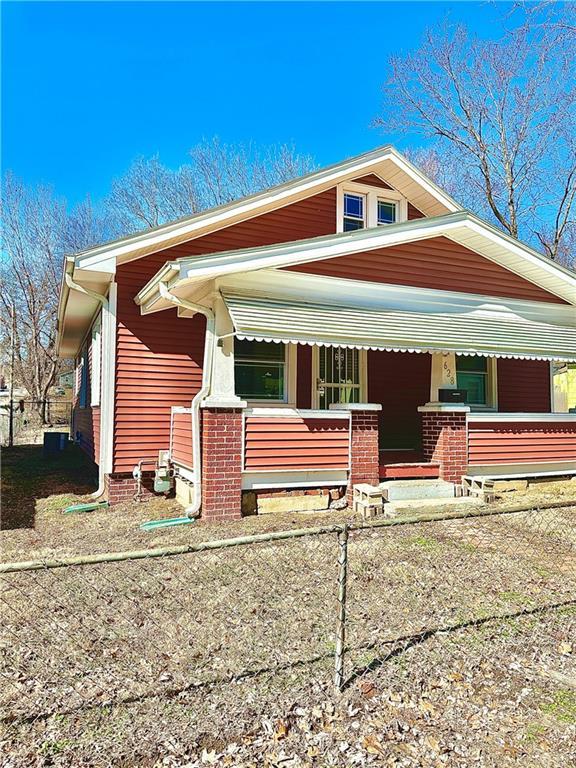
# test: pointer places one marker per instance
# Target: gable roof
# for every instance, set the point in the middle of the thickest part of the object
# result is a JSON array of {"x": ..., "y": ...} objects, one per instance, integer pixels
[
  {"x": 462, "y": 227},
  {"x": 386, "y": 162}
]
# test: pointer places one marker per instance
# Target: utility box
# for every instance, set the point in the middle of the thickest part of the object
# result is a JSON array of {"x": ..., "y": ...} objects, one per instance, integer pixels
[{"x": 54, "y": 442}]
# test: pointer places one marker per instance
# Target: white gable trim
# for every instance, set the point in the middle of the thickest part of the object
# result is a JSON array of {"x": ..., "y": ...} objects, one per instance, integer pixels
[{"x": 135, "y": 246}]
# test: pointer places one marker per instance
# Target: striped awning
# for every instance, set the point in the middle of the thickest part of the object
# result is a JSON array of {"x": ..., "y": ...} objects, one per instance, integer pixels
[{"x": 474, "y": 332}]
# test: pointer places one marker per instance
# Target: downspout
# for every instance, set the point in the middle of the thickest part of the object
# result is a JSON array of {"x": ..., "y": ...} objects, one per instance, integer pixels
[
  {"x": 194, "y": 509},
  {"x": 103, "y": 300}
]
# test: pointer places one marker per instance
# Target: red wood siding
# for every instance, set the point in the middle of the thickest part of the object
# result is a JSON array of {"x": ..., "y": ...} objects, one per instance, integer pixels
[
  {"x": 304, "y": 377},
  {"x": 414, "y": 213},
  {"x": 181, "y": 448},
  {"x": 521, "y": 442},
  {"x": 400, "y": 382},
  {"x": 87, "y": 431},
  {"x": 311, "y": 217},
  {"x": 158, "y": 365},
  {"x": 372, "y": 180},
  {"x": 86, "y": 421},
  {"x": 523, "y": 386},
  {"x": 159, "y": 356},
  {"x": 96, "y": 432},
  {"x": 273, "y": 443},
  {"x": 437, "y": 263}
]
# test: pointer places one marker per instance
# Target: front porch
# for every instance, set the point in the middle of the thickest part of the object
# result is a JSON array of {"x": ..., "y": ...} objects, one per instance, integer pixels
[
  {"x": 322, "y": 383},
  {"x": 394, "y": 430}
]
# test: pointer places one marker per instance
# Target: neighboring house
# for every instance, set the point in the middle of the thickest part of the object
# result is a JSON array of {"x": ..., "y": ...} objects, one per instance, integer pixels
[
  {"x": 327, "y": 330},
  {"x": 565, "y": 387},
  {"x": 66, "y": 379}
]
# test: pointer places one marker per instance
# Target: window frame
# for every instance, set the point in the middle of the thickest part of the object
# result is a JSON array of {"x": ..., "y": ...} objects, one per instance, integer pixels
[
  {"x": 290, "y": 363},
  {"x": 491, "y": 403},
  {"x": 364, "y": 218},
  {"x": 372, "y": 196}
]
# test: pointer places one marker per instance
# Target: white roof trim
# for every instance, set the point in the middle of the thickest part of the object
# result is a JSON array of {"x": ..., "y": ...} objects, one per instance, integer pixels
[{"x": 190, "y": 227}]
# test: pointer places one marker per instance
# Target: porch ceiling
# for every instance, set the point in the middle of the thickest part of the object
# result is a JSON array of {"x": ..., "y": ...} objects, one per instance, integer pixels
[{"x": 494, "y": 333}]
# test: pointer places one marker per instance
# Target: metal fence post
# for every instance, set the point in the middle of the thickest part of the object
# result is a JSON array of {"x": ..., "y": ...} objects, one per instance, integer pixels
[{"x": 341, "y": 620}]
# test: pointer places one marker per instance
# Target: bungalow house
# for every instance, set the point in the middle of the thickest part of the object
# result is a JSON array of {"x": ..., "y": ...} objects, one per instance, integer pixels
[{"x": 351, "y": 325}]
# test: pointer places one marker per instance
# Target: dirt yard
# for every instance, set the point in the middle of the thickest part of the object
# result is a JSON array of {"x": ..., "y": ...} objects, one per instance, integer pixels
[
  {"x": 460, "y": 636},
  {"x": 35, "y": 491}
]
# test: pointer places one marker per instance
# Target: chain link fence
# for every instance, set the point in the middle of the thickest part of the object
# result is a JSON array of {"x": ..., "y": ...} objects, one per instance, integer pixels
[
  {"x": 209, "y": 639},
  {"x": 28, "y": 425}
]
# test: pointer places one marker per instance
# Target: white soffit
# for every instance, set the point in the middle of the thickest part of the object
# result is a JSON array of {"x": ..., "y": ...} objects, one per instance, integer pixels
[{"x": 494, "y": 333}]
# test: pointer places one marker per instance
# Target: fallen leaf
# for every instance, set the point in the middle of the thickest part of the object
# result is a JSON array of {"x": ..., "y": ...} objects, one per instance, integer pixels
[
  {"x": 372, "y": 745},
  {"x": 368, "y": 689}
]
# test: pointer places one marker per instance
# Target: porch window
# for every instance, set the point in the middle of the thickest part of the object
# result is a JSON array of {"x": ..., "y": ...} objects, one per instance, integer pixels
[
  {"x": 338, "y": 376},
  {"x": 472, "y": 374},
  {"x": 386, "y": 212},
  {"x": 354, "y": 212},
  {"x": 260, "y": 370}
]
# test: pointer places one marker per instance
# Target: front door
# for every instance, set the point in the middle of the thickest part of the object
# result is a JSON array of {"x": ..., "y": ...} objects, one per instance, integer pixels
[{"x": 337, "y": 375}]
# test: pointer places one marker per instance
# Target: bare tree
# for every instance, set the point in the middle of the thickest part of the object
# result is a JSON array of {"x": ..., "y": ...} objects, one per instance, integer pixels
[
  {"x": 149, "y": 194},
  {"x": 33, "y": 222},
  {"x": 504, "y": 114},
  {"x": 225, "y": 172}
]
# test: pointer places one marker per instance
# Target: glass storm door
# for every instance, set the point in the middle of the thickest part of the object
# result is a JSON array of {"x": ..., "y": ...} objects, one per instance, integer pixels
[{"x": 338, "y": 376}]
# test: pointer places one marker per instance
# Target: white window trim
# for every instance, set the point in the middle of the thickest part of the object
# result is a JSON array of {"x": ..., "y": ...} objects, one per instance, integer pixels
[
  {"x": 290, "y": 381},
  {"x": 363, "y": 369},
  {"x": 372, "y": 195},
  {"x": 95, "y": 378}
]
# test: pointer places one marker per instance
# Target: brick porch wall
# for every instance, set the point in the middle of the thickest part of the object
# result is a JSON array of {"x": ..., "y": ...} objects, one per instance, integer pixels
[
  {"x": 444, "y": 441},
  {"x": 120, "y": 488},
  {"x": 364, "y": 460},
  {"x": 221, "y": 463}
]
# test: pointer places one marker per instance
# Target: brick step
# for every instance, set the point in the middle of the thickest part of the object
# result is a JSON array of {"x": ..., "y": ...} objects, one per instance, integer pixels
[{"x": 412, "y": 469}]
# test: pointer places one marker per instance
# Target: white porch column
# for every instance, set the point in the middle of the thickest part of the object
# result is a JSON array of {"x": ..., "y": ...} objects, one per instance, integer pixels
[
  {"x": 222, "y": 389},
  {"x": 443, "y": 375}
]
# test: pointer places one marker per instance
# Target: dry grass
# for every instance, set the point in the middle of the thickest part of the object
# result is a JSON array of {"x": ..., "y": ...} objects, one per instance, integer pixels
[{"x": 461, "y": 644}]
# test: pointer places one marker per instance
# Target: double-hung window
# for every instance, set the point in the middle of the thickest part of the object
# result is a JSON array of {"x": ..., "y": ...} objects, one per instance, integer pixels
[
  {"x": 473, "y": 375},
  {"x": 260, "y": 370},
  {"x": 386, "y": 212},
  {"x": 360, "y": 206},
  {"x": 354, "y": 212}
]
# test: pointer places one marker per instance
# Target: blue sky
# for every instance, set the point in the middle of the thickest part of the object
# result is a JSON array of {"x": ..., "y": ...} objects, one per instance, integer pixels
[{"x": 86, "y": 87}]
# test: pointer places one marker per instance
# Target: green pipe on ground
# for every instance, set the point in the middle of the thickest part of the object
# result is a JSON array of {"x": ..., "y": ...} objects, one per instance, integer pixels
[{"x": 167, "y": 522}]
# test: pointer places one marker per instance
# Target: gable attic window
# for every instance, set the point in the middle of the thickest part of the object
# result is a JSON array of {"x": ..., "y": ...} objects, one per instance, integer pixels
[
  {"x": 354, "y": 212},
  {"x": 360, "y": 206}
]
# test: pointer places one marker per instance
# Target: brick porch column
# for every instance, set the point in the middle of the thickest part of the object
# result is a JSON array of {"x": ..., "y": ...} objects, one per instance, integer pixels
[
  {"x": 444, "y": 438},
  {"x": 222, "y": 461},
  {"x": 364, "y": 457}
]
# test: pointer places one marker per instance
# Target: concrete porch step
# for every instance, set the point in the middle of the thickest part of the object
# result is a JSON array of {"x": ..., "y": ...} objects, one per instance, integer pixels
[
  {"x": 403, "y": 490},
  {"x": 411, "y": 506}
]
